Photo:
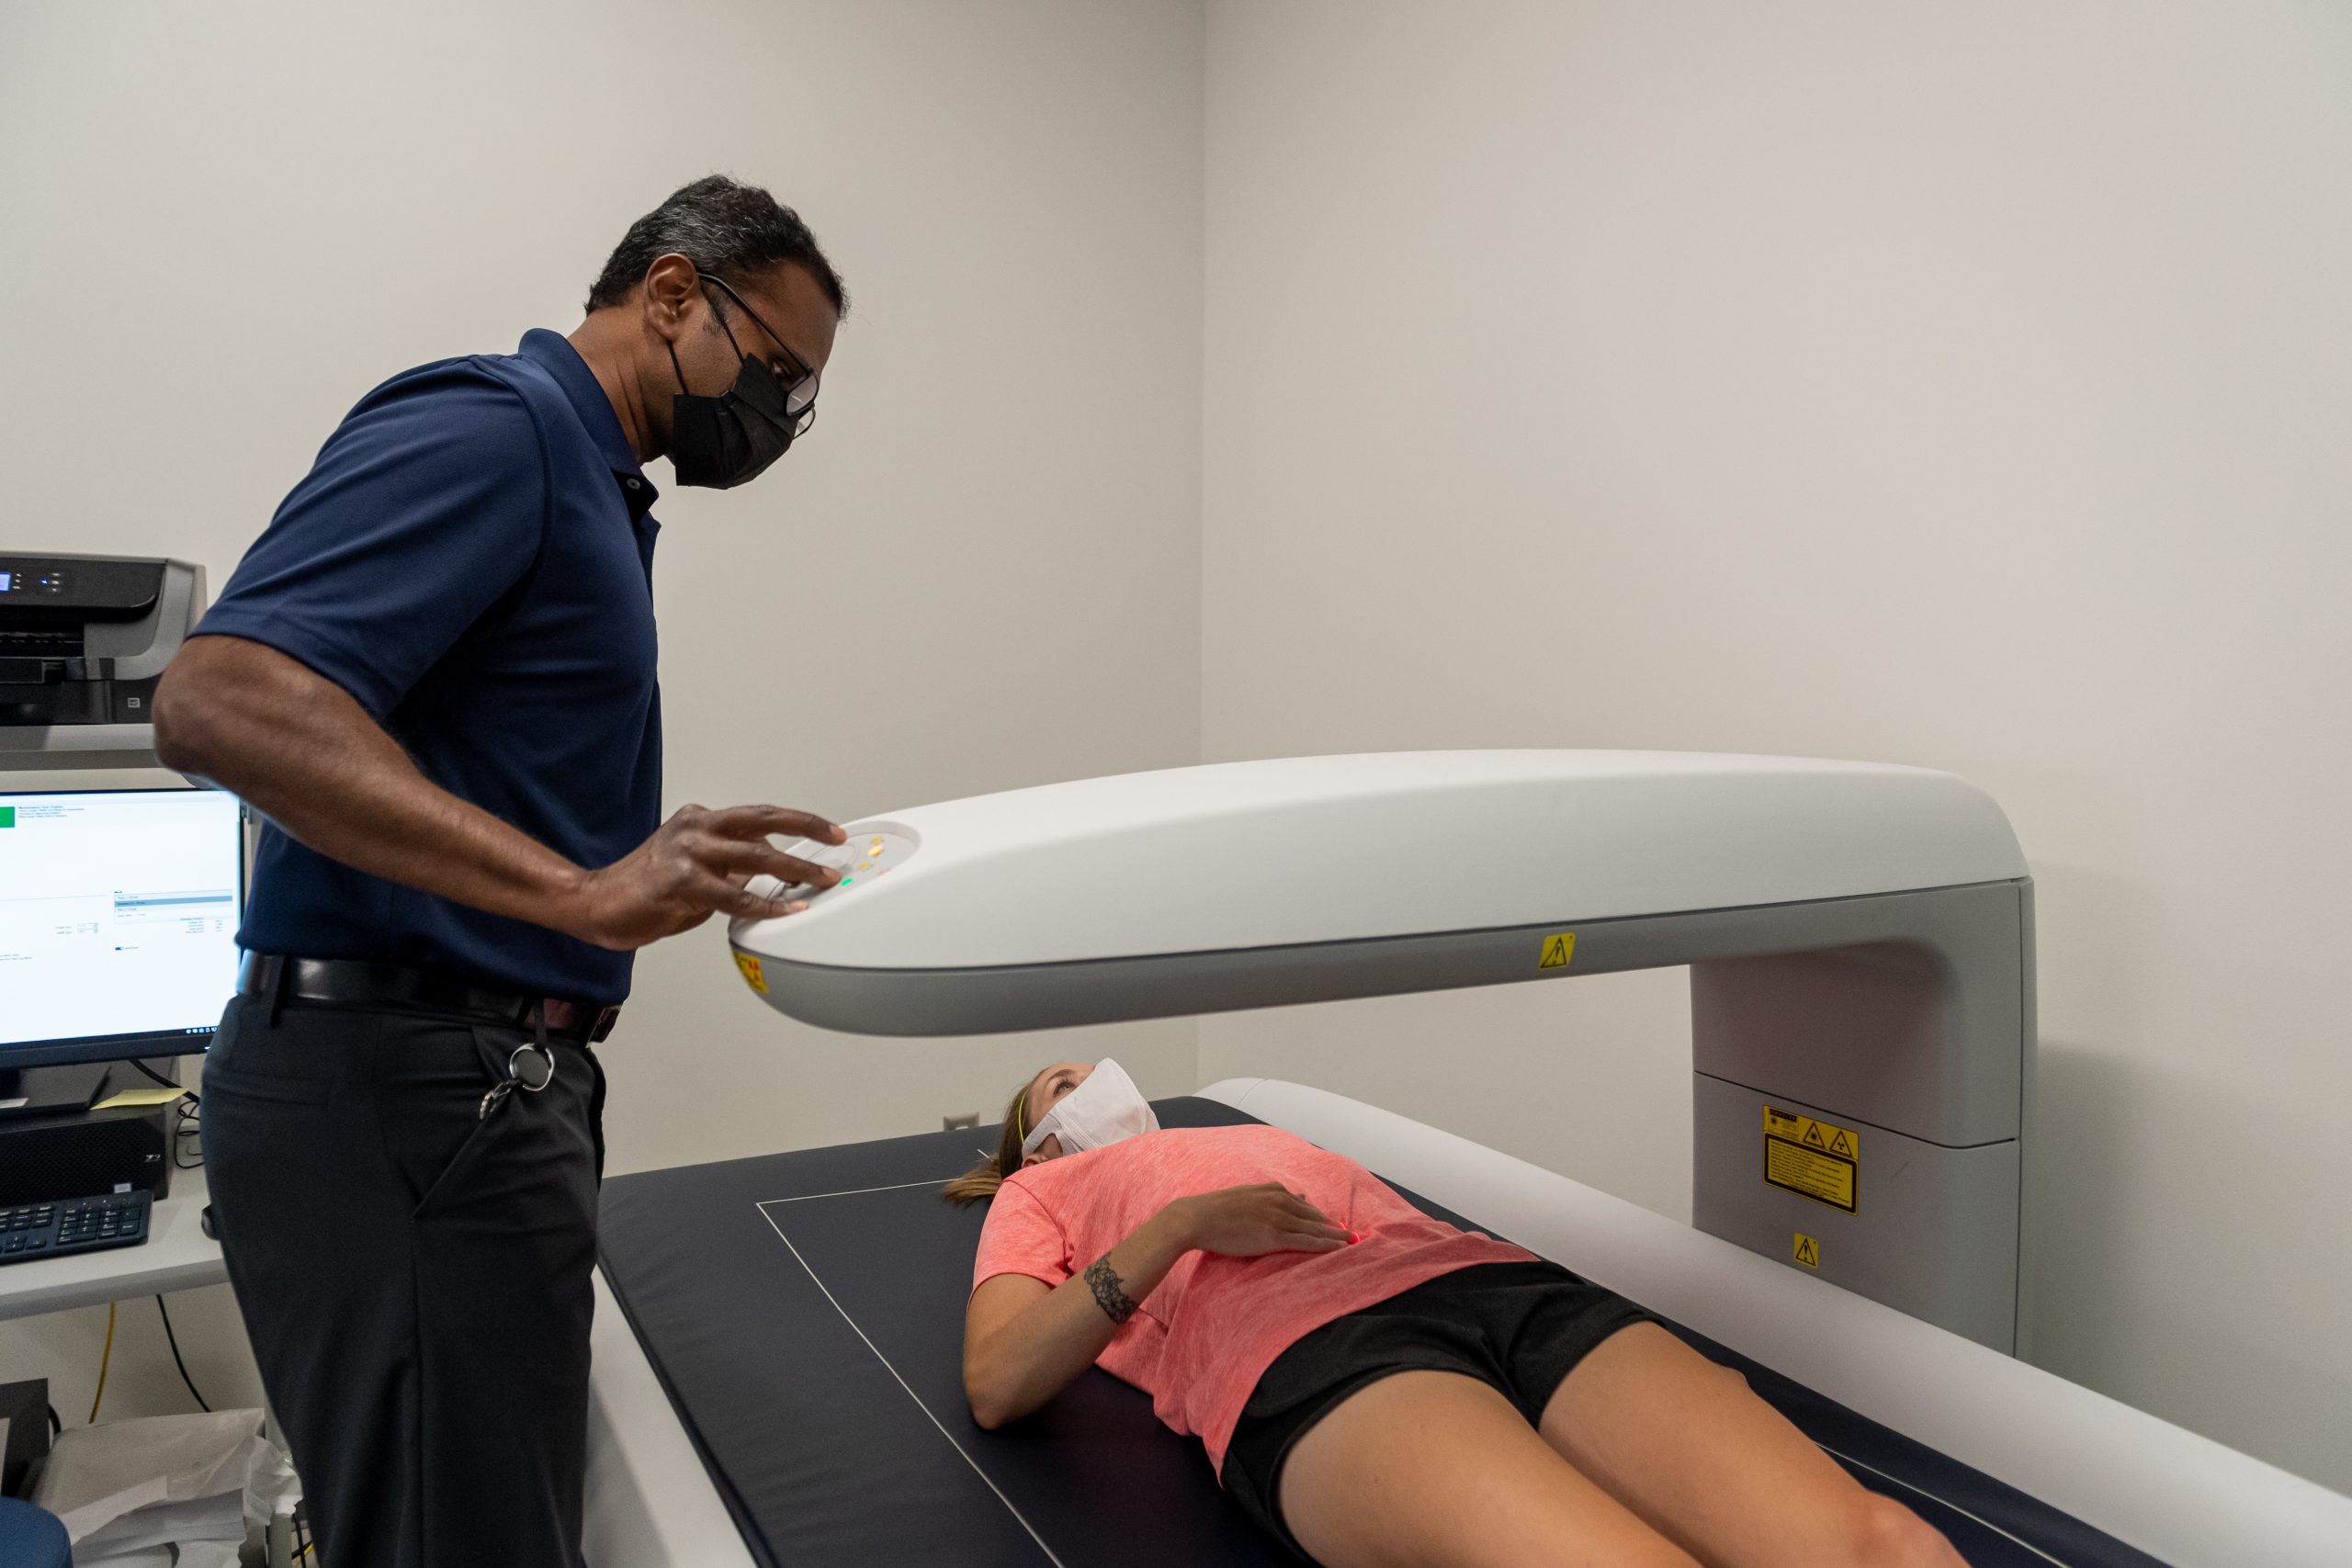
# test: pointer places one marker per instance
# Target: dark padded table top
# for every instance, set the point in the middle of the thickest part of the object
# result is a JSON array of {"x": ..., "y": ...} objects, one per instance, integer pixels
[{"x": 805, "y": 1313}]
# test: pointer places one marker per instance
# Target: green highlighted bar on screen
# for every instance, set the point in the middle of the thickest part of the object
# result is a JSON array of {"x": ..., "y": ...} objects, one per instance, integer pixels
[{"x": 7, "y": 815}]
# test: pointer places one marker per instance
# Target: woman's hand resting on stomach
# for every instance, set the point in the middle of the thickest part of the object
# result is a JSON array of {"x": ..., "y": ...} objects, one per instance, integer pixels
[
  {"x": 1025, "y": 1340},
  {"x": 1243, "y": 1221}
]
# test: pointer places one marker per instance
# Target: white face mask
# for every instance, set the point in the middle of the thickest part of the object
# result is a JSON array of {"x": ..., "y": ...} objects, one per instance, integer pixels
[{"x": 1104, "y": 1108}]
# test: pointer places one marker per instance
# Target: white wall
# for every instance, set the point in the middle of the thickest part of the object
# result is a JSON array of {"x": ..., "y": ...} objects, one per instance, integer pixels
[
  {"x": 225, "y": 223},
  {"x": 1963, "y": 386}
]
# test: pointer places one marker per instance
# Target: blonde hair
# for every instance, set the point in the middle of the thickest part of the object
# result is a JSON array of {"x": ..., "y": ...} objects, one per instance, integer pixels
[{"x": 979, "y": 1184}]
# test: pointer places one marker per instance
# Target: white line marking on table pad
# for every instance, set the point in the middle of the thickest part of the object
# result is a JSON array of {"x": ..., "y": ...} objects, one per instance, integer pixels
[{"x": 819, "y": 1282}]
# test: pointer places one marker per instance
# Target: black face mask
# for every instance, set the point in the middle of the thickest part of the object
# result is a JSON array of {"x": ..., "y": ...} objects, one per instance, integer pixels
[{"x": 722, "y": 442}]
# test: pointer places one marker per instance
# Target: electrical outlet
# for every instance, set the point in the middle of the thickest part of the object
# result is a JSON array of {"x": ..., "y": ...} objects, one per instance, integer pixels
[{"x": 949, "y": 1123}]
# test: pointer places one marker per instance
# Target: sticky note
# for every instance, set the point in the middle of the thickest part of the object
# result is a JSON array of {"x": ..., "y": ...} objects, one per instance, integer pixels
[{"x": 130, "y": 1097}]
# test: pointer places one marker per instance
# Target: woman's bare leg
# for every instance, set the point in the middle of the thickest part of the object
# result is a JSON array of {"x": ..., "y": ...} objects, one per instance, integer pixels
[
  {"x": 1434, "y": 1469},
  {"x": 1686, "y": 1447}
]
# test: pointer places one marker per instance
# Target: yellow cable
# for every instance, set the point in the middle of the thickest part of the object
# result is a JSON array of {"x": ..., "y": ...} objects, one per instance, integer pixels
[{"x": 104, "y": 1360}]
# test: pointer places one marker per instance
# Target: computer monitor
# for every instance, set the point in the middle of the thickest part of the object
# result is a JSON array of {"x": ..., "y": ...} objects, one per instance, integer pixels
[{"x": 118, "y": 914}]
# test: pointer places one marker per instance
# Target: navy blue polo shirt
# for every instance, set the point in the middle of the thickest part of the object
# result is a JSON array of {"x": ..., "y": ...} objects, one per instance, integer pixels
[{"x": 471, "y": 559}]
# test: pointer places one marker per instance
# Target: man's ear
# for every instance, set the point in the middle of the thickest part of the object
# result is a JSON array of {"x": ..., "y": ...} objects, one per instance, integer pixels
[{"x": 673, "y": 297}]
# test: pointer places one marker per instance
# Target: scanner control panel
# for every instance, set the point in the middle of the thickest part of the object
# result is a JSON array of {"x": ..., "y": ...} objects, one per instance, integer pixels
[{"x": 874, "y": 850}]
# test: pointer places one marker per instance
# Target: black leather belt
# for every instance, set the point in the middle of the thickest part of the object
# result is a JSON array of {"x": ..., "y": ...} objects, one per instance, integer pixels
[{"x": 352, "y": 983}]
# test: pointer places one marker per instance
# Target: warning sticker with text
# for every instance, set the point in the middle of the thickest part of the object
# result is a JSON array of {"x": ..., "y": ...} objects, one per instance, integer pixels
[{"x": 1813, "y": 1159}]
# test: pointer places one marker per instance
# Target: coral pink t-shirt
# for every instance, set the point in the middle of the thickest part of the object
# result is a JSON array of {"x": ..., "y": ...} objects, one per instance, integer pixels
[{"x": 1199, "y": 1342}]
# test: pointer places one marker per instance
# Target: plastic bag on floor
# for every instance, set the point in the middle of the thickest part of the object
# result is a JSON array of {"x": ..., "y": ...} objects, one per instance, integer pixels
[{"x": 198, "y": 1482}]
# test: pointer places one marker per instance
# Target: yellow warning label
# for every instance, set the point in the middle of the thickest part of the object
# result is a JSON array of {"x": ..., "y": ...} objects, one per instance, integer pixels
[
  {"x": 1809, "y": 1251},
  {"x": 751, "y": 968},
  {"x": 1557, "y": 949},
  {"x": 1819, "y": 1161}
]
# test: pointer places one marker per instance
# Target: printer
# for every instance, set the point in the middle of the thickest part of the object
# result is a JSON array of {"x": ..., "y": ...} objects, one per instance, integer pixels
[{"x": 82, "y": 641}]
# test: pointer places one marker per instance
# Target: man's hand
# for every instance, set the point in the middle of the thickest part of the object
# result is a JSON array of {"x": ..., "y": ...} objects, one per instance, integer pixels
[
  {"x": 695, "y": 866},
  {"x": 1242, "y": 1222}
]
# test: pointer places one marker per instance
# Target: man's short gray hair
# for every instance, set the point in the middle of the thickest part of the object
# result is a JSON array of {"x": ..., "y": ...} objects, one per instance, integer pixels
[{"x": 728, "y": 230}]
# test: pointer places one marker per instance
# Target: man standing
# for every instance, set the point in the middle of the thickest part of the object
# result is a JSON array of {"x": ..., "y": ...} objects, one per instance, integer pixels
[{"x": 434, "y": 674}]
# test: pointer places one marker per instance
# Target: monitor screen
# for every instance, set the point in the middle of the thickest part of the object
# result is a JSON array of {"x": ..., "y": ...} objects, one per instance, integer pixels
[{"x": 118, "y": 914}]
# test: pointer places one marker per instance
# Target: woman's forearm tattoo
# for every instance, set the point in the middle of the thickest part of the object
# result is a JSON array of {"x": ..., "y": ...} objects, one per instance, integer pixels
[{"x": 1103, "y": 1281}]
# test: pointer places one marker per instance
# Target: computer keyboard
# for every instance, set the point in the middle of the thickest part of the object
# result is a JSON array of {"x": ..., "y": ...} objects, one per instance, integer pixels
[{"x": 74, "y": 1225}]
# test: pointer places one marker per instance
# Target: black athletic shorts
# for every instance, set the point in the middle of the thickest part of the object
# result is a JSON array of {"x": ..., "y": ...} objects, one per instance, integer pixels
[{"x": 1518, "y": 1327}]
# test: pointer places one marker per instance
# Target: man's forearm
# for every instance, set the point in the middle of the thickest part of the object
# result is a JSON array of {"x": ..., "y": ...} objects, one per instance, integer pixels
[
  {"x": 1035, "y": 1356},
  {"x": 369, "y": 807},
  {"x": 302, "y": 753}
]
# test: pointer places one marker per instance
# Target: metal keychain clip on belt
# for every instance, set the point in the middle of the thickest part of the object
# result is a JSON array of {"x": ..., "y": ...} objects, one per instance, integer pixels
[{"x": 532, "y": 1078}]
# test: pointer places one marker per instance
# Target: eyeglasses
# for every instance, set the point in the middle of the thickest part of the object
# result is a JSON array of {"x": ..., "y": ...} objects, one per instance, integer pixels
[{"x": 799, "y": 380}]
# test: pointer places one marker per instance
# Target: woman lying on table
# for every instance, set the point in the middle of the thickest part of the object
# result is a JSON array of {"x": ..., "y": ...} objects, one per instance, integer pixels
[{"x": 1373, "y": 1386}]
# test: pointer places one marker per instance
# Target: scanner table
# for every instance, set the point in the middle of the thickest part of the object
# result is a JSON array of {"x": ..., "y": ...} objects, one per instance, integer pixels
[{"x": 781, "y": 1383}]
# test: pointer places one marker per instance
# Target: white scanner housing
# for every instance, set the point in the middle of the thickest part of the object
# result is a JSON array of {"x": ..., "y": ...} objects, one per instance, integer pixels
[
  {"x": 1323, "y": 848},
  {"x": 1860, "y": 938}
]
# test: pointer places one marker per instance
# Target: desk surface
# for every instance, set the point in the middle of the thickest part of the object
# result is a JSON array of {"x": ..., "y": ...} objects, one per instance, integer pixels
[{"x": 176, "y": 1256}]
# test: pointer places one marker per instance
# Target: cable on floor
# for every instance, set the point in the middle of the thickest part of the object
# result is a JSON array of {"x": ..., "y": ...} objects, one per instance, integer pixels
[
  {"x": 106, "y": 1359},
  {"x": 176, "y": 1357}
]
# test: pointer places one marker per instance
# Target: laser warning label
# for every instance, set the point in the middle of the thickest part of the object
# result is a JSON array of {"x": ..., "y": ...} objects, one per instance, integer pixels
[{"x": 1813, "y": 1159}]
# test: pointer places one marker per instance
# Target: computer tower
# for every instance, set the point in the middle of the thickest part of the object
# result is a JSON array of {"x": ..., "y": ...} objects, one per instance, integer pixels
[{"x": 84, "y": 1154}]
